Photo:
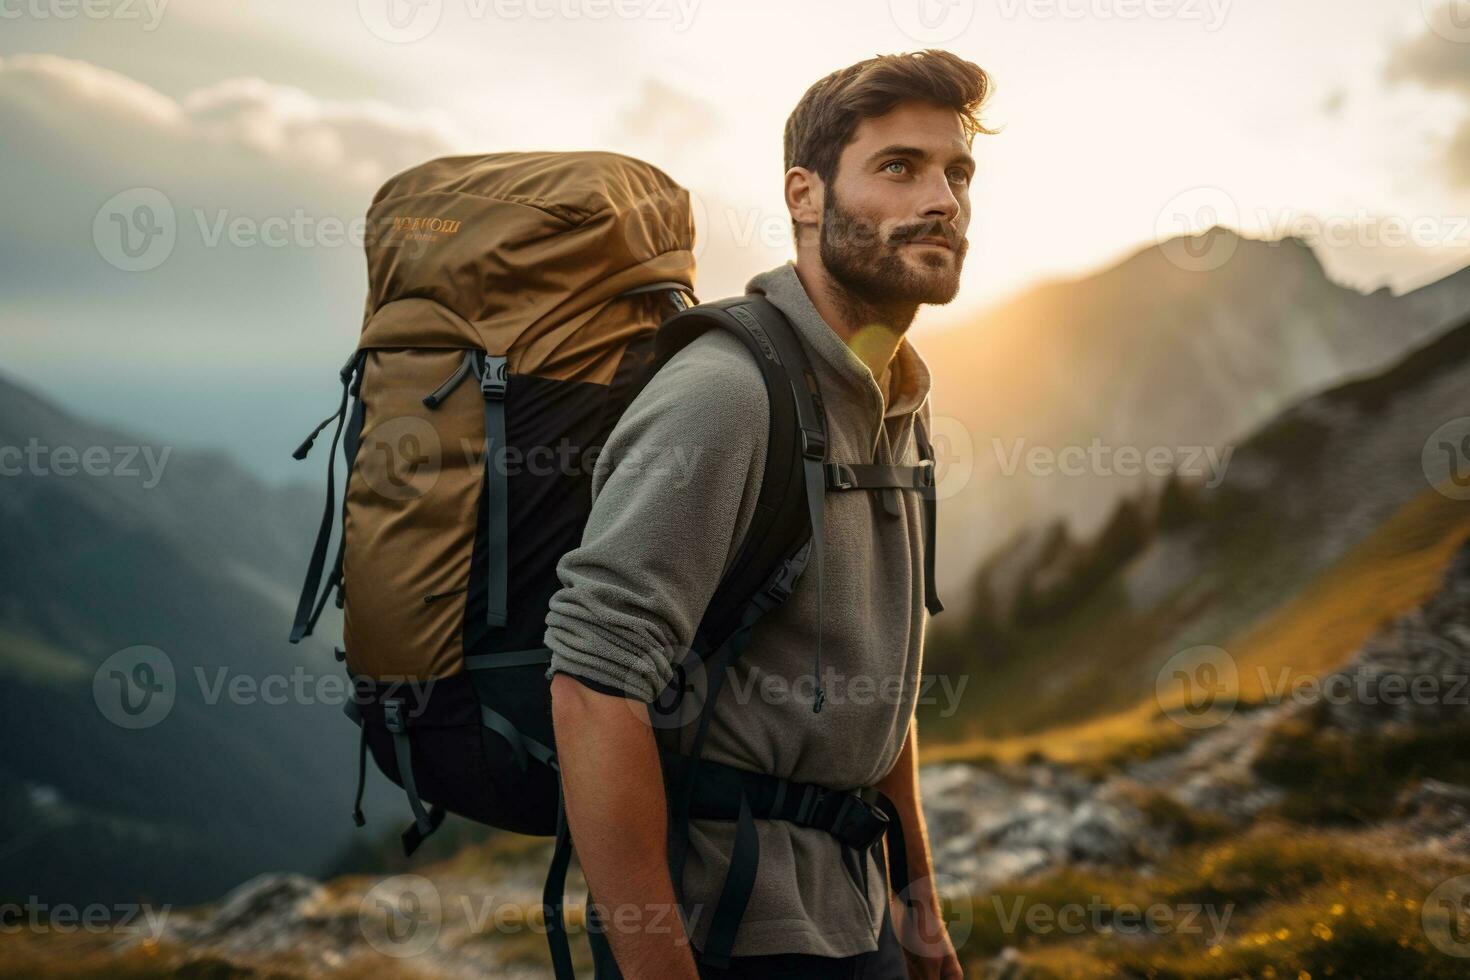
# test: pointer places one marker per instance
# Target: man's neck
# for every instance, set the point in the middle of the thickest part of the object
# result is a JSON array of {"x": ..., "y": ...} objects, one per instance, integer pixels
[{"x": 872, "y": 331}]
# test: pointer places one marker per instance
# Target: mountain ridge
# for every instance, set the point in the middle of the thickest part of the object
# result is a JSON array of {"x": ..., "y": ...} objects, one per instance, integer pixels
[{"x": 1146, "y": 356}]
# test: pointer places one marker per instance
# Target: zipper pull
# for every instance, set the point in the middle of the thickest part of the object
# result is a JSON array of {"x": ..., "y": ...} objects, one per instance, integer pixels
[
  {"x": 305, "y": 447},
  {"x": 446, "y": 389}
]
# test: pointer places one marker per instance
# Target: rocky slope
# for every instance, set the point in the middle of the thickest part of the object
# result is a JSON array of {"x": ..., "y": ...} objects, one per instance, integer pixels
[{"x": 998, "y": 831}]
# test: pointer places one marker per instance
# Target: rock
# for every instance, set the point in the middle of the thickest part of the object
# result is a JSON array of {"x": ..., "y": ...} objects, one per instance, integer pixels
[
  {"x": 268, "y": 914},
  {"x": 265, "y": 902},
  {"x": 1100, "y": 834},
  {"x": 1006, "y": 965},
  {"x": 1435, "y": 796},
  {"x": 1212, "y": 776},
  {"x": 990, "y": 827},
  {"x": 1414, "y": 672},
  {"x": 1438, "y": 815}
]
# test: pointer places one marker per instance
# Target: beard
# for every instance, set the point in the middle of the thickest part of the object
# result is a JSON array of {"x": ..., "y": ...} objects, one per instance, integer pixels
[{"x": 872, "y": 267}]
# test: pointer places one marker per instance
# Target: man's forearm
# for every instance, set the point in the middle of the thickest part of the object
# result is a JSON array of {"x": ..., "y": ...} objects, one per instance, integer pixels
[
  {"x": 613, "y": 783},
  {"x": 901, "y": 785}
]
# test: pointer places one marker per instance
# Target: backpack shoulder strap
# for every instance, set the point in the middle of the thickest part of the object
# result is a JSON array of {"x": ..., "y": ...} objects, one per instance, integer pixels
[
  {"x": 786, "y": 533},
  {"x": 931, "y": 517},
  {"x": 774, "y": 552}
]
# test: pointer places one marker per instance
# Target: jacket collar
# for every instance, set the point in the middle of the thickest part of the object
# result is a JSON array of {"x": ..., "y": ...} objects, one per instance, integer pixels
[{"x": 907, "y": 377}]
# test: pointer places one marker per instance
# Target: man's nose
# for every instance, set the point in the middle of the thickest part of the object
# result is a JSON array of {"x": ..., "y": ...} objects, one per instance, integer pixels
[{"x": 939, "y": 202}]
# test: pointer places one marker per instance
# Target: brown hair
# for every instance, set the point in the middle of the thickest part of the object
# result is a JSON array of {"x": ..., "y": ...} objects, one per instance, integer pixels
[{"x": 823, "y": 122}]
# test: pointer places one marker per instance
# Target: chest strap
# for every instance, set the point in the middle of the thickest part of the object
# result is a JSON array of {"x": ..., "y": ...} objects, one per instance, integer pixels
[
  {"x": 879, "y": 476},
  {"x": 890, "y": 479}
]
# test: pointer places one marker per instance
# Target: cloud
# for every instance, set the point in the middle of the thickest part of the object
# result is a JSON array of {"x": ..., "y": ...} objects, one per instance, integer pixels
[
  {"x": 1432, "y": 58},
  {"x": 1457, "y": 155},
  {"x": 363, "y": 142},
  {"x": 662, "y": 119},
  {"x": 242, "y": 150},
  {"x": 62, "y": 101},
  {"x": 219, "y": 330},
  {"x": 1438, "y": 59},
  {"x": 735, "y": 237}
]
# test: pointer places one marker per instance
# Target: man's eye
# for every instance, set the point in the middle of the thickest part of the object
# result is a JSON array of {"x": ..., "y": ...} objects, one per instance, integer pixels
[
  {"x": 959, "y": 176},
  {"x": 900, "y": 164}
]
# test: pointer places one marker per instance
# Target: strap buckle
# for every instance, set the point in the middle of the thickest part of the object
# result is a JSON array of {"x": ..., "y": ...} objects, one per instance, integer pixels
[
  {"x": 858, "y": 823},
  {"x": 811, "y": 798},
  {"x": 813, "y": 444},
  {"x": 393, "y": 716},
  {"x": 840, "y": 476},
  {"x": 783, "y": 582},
  {"x": 494, "y": 377}
]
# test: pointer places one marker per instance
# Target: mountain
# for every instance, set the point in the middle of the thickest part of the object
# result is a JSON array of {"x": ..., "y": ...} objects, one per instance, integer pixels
[
  {"x": 112, "y": 543},
  {"x": 1146, "y": 355},
  {"x": 1331, "y": 518}
]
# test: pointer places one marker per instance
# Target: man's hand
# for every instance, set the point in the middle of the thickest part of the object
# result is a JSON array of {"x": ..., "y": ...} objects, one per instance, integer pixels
[
  {"x": 927, "y": 948},
  {"x": 918, "y": 920}
]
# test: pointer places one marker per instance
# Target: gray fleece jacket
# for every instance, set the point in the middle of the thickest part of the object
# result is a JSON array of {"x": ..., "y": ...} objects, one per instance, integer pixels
[{"x": 673, "y": 493}]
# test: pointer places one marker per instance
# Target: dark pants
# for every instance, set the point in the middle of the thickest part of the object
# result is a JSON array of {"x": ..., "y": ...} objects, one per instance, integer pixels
[{"x": 884, "y": 963}]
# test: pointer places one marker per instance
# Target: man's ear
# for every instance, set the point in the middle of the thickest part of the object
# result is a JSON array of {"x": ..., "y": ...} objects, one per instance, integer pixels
[{"x": 804, "y": 194}]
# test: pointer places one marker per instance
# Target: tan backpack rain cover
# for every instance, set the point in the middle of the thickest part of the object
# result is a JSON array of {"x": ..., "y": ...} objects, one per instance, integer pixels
[{"x": 512, "y": 303}]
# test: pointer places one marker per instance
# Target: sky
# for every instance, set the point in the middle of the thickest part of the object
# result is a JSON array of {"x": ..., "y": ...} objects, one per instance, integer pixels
[{"x": 260, "y": 130}]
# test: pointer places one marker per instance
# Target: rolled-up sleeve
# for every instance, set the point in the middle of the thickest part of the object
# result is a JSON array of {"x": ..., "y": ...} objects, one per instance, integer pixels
[{"x": 673, "y": 492}]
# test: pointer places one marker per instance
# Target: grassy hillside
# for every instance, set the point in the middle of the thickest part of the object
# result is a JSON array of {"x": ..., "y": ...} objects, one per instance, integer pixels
[{"x": 1095, "y": 671}]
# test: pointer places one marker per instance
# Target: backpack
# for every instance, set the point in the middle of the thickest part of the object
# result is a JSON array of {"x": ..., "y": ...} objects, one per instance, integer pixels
[{"x": 516, "y": 306}]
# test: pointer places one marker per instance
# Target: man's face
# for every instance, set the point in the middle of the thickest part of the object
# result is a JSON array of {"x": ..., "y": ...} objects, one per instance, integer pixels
[{"x": 895, "y": 215}]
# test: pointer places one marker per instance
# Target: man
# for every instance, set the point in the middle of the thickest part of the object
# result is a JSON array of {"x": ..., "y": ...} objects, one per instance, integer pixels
[{"x": 878, "y": 171}]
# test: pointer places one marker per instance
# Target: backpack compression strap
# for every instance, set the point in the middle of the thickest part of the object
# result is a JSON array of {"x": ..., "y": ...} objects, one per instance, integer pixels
[
  {"x": 679, "y": 294},
  {"x": 494, "y": 379},
  {"x": 309, "y": 607}
]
